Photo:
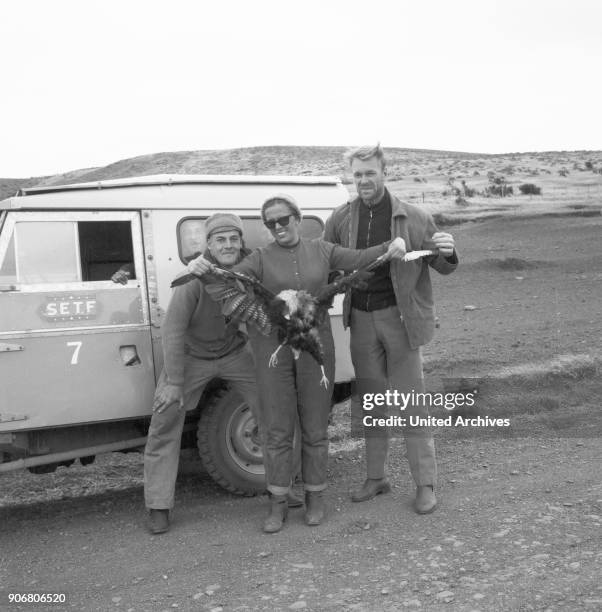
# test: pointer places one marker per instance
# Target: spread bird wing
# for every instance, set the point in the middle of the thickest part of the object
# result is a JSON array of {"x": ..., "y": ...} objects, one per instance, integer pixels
[
  {"x": 354, "y": 280},
  {"x": 245, "y": 299},
  {"x": 183, "y": 279},
  {"x": 263, "y": 294}
]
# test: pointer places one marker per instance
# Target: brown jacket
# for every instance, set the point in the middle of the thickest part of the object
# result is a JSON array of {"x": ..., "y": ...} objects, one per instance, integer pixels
[{"x": 411, "y": 280}]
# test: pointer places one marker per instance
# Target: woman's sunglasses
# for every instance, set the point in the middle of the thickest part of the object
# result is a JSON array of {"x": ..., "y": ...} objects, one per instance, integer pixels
[{"x": 281, "y": 221}]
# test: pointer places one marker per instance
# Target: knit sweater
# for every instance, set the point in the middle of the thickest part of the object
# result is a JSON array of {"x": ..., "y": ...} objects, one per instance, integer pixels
[{"x": 194, "y": 325}]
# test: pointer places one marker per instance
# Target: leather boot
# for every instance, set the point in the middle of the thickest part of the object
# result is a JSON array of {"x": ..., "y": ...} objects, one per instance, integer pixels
[
  {"x": 278, "y": 511},
  {"x": 425, "y": 501},
  {"x": 370, "y": 489},
  {"x": 316, "y": 510},
  {"x": 294, "y": 501},
  {"x": 158, "y": 521}
]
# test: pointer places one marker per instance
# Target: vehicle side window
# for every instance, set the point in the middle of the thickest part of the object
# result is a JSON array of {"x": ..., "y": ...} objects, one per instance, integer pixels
[
  {"x": 49, "y": 252},
  {"x": 191, "y": 234},
  {"x": 46, "y": 252},
  {"x": 105, "y": 247}
]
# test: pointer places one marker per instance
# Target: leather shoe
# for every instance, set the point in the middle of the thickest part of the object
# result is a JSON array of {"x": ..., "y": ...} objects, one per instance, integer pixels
[
  {"x": 425, "y": 501},
  {"x": 370, "y": 489},
  {"x": 278, "y": 512},
  {"x": 158, "y": 521},
  {"x": 316, "y": 510},
  {"x": 294, "y": 501}
]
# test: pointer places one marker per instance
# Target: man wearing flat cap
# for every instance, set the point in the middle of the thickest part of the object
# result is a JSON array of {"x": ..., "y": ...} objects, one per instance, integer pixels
[{"x": 198, "y": 346}]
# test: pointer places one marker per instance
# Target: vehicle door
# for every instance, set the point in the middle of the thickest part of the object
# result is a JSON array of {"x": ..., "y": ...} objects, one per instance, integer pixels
[{"x": 74, "y": 345}]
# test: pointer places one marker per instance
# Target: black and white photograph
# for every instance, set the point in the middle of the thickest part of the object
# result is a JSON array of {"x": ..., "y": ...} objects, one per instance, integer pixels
[{"x": 301, "y": 306}]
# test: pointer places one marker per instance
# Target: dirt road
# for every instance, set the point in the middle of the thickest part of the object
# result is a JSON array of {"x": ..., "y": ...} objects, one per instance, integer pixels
[
  {"x": 518, "y": 528},
  {"x": 519, "y": 521}
]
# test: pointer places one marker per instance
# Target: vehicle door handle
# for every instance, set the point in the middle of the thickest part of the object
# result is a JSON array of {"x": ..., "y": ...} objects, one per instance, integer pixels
[
  {"x": 10, "y": 348},
  {"x": 129, "y": 355}
]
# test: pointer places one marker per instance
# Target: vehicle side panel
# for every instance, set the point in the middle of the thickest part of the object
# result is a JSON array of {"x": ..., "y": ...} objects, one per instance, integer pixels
[{"x": 75, "y": 377}]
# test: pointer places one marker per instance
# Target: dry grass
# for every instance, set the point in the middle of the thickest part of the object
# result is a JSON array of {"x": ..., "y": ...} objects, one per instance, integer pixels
[
  {"x": 560, "y": 366},
  {"x": 109, "y": 472},
  {"x": 551, "y": 397},
  {"x": 420, "y": 176}
]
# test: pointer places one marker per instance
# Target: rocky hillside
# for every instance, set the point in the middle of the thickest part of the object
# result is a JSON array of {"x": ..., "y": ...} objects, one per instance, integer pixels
[{"x": 414, "y": 167}]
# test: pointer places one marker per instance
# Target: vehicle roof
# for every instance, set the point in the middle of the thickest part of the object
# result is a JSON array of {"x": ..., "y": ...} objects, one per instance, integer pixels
[
  {"x": 185, "y": 179},
  {"x": 179, "y": 190}
]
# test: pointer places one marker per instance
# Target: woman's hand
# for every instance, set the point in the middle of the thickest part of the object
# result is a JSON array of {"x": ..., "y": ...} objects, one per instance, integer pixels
[
  {"x": 200, "y": 266},
  {"x": 396, "y": 250}
]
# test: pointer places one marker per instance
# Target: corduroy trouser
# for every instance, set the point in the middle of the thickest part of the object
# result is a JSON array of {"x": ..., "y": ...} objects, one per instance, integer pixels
[
  {"x": 162, "y": 452},
  {"x": 383, "y": 360},
  {"x": 290, "y": 392}
]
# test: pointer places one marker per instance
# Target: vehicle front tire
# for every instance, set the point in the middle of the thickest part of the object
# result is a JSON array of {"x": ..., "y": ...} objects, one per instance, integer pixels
[{"x": 229, "y": 446}]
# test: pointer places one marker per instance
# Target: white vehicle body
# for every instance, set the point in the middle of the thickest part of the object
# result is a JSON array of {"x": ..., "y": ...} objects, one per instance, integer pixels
[{"x": 79, "y": 354}]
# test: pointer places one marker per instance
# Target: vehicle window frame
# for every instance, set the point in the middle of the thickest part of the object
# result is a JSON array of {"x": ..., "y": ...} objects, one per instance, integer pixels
[
  {"x": 132, "y": 217},
  {"x": 6, "y": 234}
]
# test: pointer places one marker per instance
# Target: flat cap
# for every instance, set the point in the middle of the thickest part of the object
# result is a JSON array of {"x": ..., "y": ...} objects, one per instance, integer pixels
[{"x": 222, "y": 222}]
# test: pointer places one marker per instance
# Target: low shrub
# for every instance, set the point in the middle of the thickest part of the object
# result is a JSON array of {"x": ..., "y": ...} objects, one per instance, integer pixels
[
  {"x": 500, "y": 190},
  {"x": 529, "y": 189},
  {"x": 468, "y": 192}
]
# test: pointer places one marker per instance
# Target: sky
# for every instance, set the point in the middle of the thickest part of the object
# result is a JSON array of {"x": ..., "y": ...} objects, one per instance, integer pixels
[{"x": 88, "y": 83}]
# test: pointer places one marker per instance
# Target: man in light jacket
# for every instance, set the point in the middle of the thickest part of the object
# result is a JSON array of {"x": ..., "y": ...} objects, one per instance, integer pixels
[{"x": 392, "y": 317}]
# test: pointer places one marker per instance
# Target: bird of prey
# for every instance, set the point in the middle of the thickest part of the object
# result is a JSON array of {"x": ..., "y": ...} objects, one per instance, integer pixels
[{"x": 296, "y": 315}]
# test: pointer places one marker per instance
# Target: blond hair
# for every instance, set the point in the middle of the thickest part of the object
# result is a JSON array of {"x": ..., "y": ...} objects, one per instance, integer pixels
[{"x": 365, "y": 153}]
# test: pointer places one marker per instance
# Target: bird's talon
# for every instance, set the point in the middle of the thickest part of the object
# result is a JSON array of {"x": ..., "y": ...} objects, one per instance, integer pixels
[
  {"x": 324, "y": 381},
  {"x": 274, "y": 357}
]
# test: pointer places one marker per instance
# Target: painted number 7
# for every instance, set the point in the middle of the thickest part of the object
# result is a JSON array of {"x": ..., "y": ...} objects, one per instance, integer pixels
[{"x": 75, "y": 355}]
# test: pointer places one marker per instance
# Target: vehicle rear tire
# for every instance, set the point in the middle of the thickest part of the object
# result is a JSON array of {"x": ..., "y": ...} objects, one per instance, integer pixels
[{"x": 229, "y": 446}]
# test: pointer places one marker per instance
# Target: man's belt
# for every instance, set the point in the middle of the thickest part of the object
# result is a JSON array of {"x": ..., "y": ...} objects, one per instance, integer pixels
[{"x": 369, "y": 302}]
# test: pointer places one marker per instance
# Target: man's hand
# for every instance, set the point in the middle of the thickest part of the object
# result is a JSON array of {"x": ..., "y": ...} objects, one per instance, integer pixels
[
  {"x": 167, "y": 395},
  {"x": 200, "y": 266},
  {"x": 396, "y": 250},
  {"x": 444, "y": 242},
  {"x": 121, "y": 277}
]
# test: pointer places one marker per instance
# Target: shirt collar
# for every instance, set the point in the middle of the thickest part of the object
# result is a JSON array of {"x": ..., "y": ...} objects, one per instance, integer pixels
[{"x": 380, "y": 205}]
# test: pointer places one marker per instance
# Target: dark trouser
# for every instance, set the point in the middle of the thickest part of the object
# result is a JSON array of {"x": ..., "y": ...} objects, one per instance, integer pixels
[
  {"x": 290, "y": 392},
  {"x": 383, "y": 359},
  {"x": 162, "y": 452}
]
